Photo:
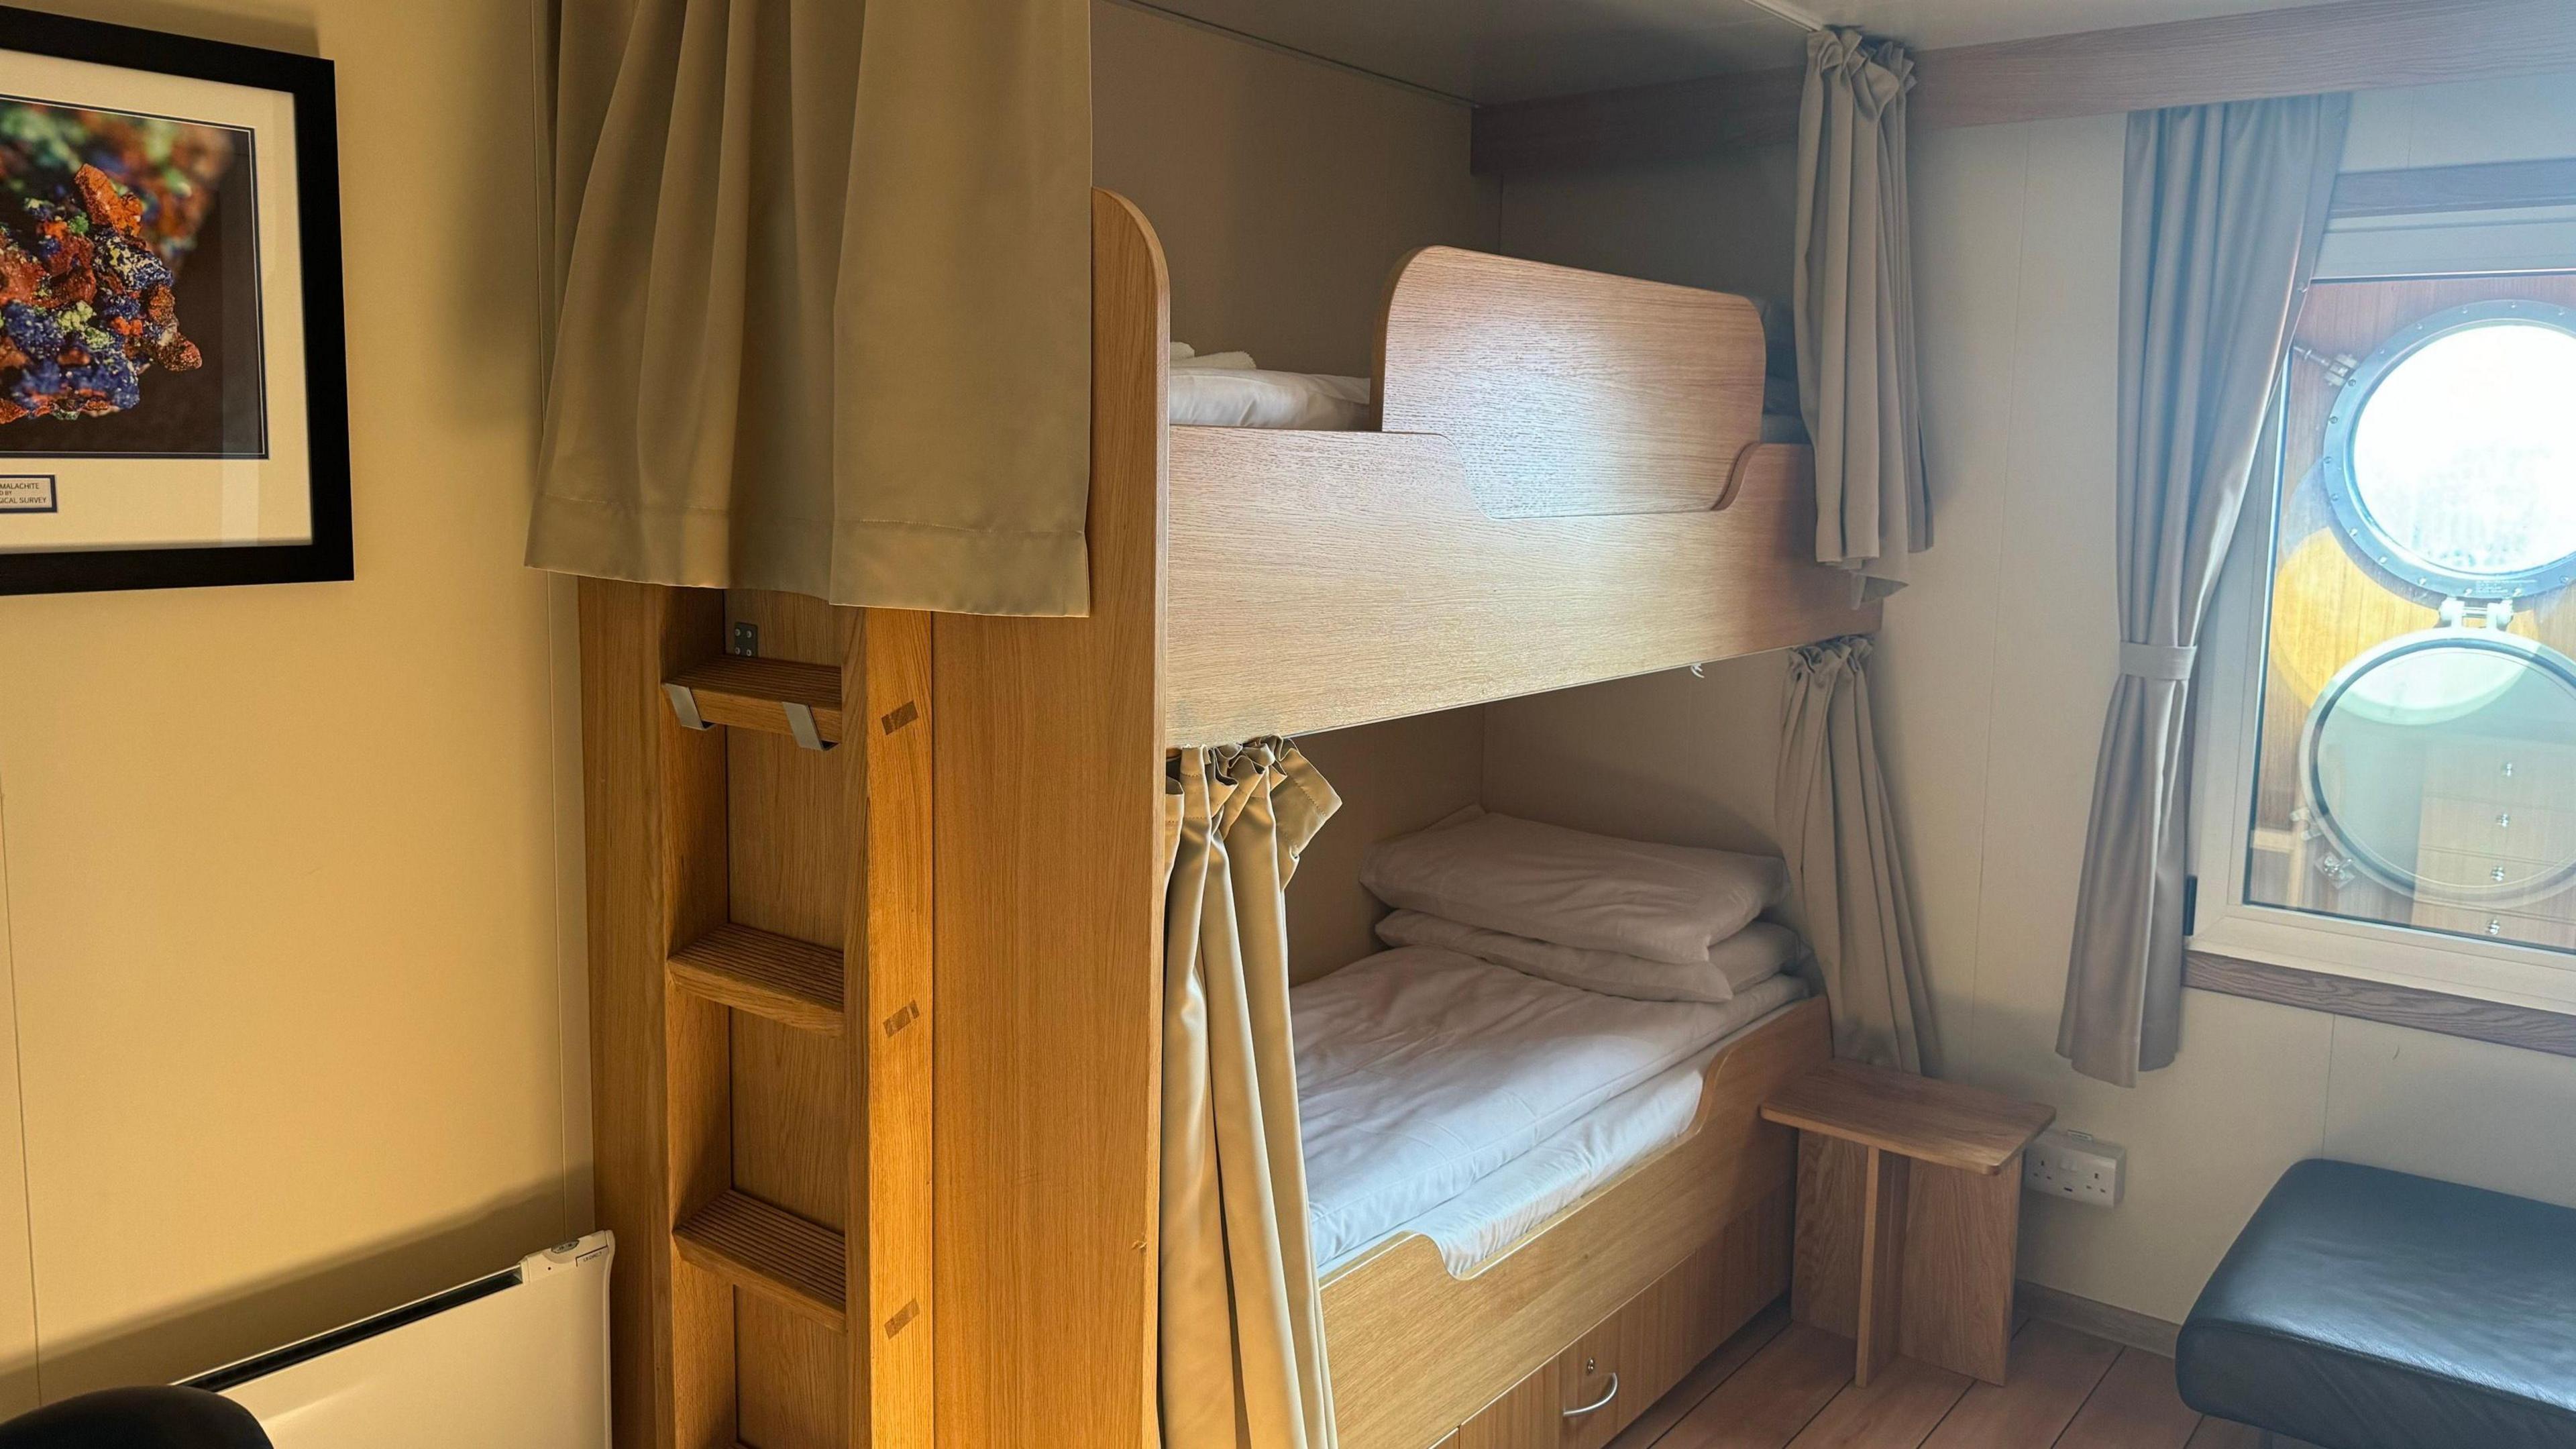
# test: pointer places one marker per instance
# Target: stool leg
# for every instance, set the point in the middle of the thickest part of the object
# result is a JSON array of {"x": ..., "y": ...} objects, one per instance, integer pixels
[{"x": 1882, "y": 1261}]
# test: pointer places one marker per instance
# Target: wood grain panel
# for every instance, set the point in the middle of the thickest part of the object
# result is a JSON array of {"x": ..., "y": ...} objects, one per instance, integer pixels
[
  {"x": 653, "y": 810},
  {"x": 794, "y": 1387},
  {"x": 2434, "y": 1011},
  {"x": 2135, "y": 1407},
  {"x": 2053, "y": 1371},
  {"x": 1773, "y": 1398},
  {"x": 1416, "y": 1350},
  {"x": 2488, "y": 186},
  {"x": 792, "y": 982},
  {"x": 1704, "y": 1379},
  {"x": 1897, "y": 1407},
  {"x": 891, "y": 777},
  {"x": 1961, "y": 1233},
  {"x": 755, "y": 1246},
  {"x": 1527, "y": 1416},
  {"x": 2357, "y": 45},
  {"x": 789, "y": 873},
  {"x": 748, "y": 693},
  {"x": 1929, "y": 1121},
  {"x": 1049, "y": 886},
  {"x": 1832, "y": 1176},
  {"x": 1410, "y": 599},
  {"x": 1884, "y": 1183},
  {"x": 2220, "y": 1434},
  {"x": 1570, "y": 392}
]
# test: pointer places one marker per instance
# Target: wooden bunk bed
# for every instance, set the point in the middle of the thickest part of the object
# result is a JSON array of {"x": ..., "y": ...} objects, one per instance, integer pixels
[{"x": 875, "y": 918}]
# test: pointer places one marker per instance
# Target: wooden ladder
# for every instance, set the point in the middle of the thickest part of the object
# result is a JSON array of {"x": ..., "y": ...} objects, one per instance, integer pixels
[{"x": 760, "y": 947}]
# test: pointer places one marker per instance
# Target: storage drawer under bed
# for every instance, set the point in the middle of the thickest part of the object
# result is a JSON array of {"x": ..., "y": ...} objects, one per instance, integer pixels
[{"x": 1607, "y": 1378}]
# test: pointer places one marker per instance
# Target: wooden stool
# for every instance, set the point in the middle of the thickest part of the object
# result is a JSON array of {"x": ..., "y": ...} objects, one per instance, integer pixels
[{"x": 1909, "y": 1202}]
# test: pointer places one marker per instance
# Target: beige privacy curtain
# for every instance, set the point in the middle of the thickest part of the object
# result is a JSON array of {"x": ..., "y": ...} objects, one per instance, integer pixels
[
  {"x": 824, "y": 308},
  {"x": 1846, "y": 874},
  {"x": 2225, "y": 209},
  {"x": 1855, "y": 310},
  {"x": 1242, "y": 1321}
]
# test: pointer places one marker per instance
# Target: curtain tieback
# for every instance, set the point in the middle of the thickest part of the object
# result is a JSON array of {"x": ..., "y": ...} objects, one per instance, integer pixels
[{"x": 2157, "y": 661}]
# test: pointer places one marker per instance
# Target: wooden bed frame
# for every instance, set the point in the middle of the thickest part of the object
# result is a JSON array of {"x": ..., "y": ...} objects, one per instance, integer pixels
[
  {"x": 876, "y": 1028},
  {"x": 1416, "y": 1352}
]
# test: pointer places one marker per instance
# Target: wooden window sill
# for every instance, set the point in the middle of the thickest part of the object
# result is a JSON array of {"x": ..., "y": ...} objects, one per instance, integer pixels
[{"x": 2464, "y": 1016}]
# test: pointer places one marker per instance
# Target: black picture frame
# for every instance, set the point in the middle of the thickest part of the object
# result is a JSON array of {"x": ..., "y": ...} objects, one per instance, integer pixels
[{"x": 329, "y": 556}]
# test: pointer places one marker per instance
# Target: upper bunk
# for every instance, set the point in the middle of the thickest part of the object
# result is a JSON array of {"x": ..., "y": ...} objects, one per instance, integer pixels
[{"x": 1567, "y": 483}]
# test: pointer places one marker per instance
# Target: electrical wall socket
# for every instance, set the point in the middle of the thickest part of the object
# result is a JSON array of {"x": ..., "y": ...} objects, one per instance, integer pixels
[{"x": 2075, "y": 1165}]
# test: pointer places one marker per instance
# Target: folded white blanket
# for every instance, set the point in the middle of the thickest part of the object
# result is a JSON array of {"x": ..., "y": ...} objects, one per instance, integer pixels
[
  {"x": 1592, "y": 892},
  {"x": 1421, "y": 1071},
  {"x": 1756, "y": 953}
]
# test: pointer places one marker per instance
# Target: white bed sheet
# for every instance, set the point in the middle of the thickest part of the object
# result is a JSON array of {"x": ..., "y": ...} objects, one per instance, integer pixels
[
  {"x": 1508, "y": 1205},
  {"x": 1422, "y": 1072}
]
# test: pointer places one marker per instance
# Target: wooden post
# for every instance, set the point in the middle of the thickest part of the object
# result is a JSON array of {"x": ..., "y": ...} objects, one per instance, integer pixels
[
  {"x": 887, "y": 740},
  {"x": 654, "y": 809}
]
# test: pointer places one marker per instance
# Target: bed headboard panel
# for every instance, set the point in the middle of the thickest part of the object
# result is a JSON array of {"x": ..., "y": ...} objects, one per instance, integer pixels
[{"x": 1571, "y": 392}]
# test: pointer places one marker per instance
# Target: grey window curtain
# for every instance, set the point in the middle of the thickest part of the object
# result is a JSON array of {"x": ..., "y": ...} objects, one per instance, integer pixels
[
  {"x": 1242, "y": 1346},
  {"x": 1846, "y": 871},
  {"x": 1855, "y": 310},
  {"x": 823, "y": 306},
  {"x": 2224, "y": 212}
]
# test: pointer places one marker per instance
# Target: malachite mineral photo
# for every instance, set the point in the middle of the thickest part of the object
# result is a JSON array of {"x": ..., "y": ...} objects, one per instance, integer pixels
[{"x": 100, "y": 213}]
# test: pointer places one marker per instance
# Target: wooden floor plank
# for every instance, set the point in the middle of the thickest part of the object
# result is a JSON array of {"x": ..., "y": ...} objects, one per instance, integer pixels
[
  {"x": 1699, "y": 1383},
  {"x": 2222, "y": 1434},
  {"x": 2054, "y": 1370},
  {"x": 1899, "y": 1409},
  {"x": 1767, "y": 1403},
  {"x": 2135, "y": 1407}
]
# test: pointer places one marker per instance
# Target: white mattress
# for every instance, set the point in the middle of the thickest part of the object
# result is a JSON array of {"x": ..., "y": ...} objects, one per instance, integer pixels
[
  {"x": 1508, "y": 1205},
  {"x": 1421, "y": 1073}
]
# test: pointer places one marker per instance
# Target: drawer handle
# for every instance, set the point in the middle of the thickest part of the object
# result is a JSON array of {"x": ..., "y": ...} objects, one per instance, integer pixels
[{"x": 1597, "y": 1405}]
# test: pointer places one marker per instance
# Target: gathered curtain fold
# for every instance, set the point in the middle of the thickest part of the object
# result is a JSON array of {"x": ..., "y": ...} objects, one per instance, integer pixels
[
  {"x": 823, "y": 308},
  {"x": 1242, "y": 1322},
  {"x": 1847, "y": 876},
  {"x": 1857, "y": 385},
  {"x": 2223, "y": 215}
]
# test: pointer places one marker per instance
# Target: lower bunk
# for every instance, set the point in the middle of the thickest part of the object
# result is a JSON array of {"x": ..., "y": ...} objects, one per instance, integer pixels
[{"x": 1573, "y": 1329}]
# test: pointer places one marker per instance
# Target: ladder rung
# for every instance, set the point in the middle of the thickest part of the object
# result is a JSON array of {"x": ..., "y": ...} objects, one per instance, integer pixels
[
  {"x": 753, "y": 693},
  {"x": 766, "y": 974},
  {"x": 768, "y": 1250}
]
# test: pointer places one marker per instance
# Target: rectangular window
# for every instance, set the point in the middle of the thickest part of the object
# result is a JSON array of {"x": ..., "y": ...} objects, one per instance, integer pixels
[{"x": 2389, "y": 775}]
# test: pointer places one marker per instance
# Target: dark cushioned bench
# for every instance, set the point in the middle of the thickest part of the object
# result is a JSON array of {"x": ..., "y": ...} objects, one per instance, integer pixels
[{"x": 2367, "y": 1309}]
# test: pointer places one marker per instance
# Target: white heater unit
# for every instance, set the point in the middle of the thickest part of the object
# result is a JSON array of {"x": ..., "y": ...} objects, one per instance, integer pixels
[{"x": 518, "y": 1360}]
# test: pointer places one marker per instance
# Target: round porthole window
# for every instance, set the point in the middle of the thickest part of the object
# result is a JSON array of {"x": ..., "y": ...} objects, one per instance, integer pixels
[
  {"x": 2441, "y": 763},
  {"x": 2450, "y": 461}
]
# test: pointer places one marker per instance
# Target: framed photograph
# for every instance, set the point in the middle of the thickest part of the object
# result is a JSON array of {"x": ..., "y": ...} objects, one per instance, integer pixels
[{"x": 173, "y": 377}]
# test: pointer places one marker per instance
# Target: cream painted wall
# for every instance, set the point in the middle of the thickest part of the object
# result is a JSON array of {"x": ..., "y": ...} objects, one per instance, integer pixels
[
  {"x": 1994, "y": 668},
  {"x": 1726, "y": 222},
  {"x": 296, "y": 1032},
  {"x": 1285, "y": 190},
  {"x": 1394, "y": 778}
]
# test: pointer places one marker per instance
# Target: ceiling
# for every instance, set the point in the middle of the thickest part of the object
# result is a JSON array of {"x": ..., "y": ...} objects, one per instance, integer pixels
[{"x": 1490, "y": 51}]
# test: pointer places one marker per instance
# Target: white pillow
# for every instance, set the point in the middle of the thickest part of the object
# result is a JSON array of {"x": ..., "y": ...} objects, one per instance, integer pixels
[
  {"x": 1740, "y": 962},
  {"x": 1666, "y": 903}
]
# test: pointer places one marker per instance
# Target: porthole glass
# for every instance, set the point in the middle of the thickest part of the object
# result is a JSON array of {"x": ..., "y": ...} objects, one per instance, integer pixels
[
  {"x": 2441, "y": 763},
  {"x": 2455, "y": 467}
]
